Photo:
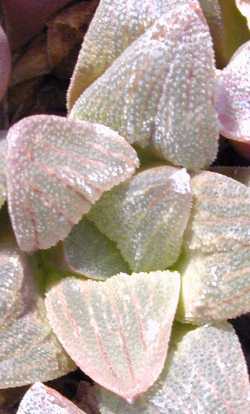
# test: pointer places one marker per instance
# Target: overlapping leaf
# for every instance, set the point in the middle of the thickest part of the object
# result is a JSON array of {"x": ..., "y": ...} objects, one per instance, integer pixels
[
  {"x": 3, "y": 151},
  {"x": 159, "y": 92},
  {"x": 29, "y": 351},
  {"x": 114, "y": 27},
  {"x": 5, "y": 63},
  {"x": 205, "y": 373},
  {"x": 56, "y": 168},
  {"x": 244, "y": 7},
  {"x": 40, "y": 399},
  {"x": 215, "y": 269},
  {"x": 116, "y": 331},
  {"x": 147, "y": 217},
  {"x": 90, "y": 253},
  {"x": 232, "y": 96}
]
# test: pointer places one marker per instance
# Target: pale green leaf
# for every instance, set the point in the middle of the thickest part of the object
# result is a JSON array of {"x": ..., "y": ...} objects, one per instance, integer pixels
[
  {"x": 29, "y": 351},
  {"x": 205, "y": 373},
  {"x": 116, "y": 331},
  {"x": 147, "y": 217},
  {"x": 88, "y": 252},
  {"x": 216, "y": 265},
  {"x": 56, "y": 169},
  {"x": 40, "y": 399},
  {"x": 159, "y": 92}
]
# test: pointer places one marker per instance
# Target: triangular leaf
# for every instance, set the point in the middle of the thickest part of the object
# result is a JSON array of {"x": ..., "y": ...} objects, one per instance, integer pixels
[
  {"x": 29, "y": 351},
  {"x": 244, "y": 7},
  {"x": 159, "y": 92},
  {"x": 5, "y": 63},
  {"x": 205, "y": 373},
  {"x": 215, "y": 267},
  {"x": 40, "y": 399},
  {"x": 113, "y": 28},
  {"x": 3, "y": 151},
  {"x": 90, "y": 253},
  {"x": 116, "y": 331},
  {"x": 147, "y": 217},
  {"x": 56, "y": 168},
  {"x": 232, "y": 96}
]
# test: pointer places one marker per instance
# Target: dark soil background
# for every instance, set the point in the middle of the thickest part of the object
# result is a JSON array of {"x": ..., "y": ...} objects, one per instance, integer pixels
[{"x": 40, "y": 78}]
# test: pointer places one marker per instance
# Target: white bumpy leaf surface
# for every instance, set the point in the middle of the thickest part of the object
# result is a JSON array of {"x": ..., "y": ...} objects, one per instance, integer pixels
[
  {"x": 147, "y": 217},
  {"x": 159, "y": 92},
  {"x": 88, "y": 252},
  {"x": 116, "y": 24},
  {"x": 29, "y": 351},
  {"x": 215, "y": 267},
  {"x": 40, "y": 399},
  {"x": 3, "y": 151},
  {"x": 232, "y": 96},
  {"x": 56, "y": 169},
  {"x": 116, "y": 331},
  {"x": 205, "y": 373}
]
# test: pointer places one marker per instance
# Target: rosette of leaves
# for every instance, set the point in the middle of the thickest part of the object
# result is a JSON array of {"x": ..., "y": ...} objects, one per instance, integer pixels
[{"x": 131, "y": 273}]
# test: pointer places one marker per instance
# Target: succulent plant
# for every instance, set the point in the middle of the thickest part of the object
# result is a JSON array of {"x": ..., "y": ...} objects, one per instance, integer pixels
[{"x": 123, "y": 251}]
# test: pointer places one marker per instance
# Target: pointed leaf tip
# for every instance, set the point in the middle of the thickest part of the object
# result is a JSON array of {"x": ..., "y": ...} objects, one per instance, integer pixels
[
  {"x": 205, "y": 372},
  {"x": 159, "y": 92},
  {"x": 116, "y": 331},
  {"x": 232, "y": 96},
  {"x": 147, "y": 217},
  {"x": 40, "y": 399},
  {"x": 56, "y": 169}
]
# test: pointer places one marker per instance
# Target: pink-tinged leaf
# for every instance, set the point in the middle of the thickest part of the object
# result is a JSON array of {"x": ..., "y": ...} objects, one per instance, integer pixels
[
  {"x": 115, "y": 26},
  {"x": 40, "y": 399},
  {"x": 56, "y": 169},
  {"x": 29, "y": 351},
  {"x": 88, "y": 252},
  {"x": 147, "y": 217},
  {"x": 5, "y": 63},
  {"x": 244, "y": 7},
  {"x": 116, "y": 331},
  {"x": 3, "y": 152},
  {"x": 205, "y": 373},
  {"x": 25, "y": 18},
  {"x": 159, "y": 92},
  {"x": 232, "y": 97},
  {"x": 215, "y": 267}
]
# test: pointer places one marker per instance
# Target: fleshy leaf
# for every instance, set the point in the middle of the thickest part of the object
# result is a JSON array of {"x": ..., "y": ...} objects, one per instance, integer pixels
[
  {"x": 114, "y": 27},
  {"x": 25, "y": 18},
  {"x": 29, "y": 351},
  {"x": 5, "y": 63},
  {"x": 241, "y": 174},
  {"x": 147, "y": 217},
  {"x": 244, "y": 7},
  {"x": 90, "y": 253},
  {"x": 3, "y": 151},
  {"x": 159, "y": 92},
  {"x": 116, "y": 331},
  {"x": 232, "y": 96},
  {"x": 205, "y": 373},
  {"x": 215, "y": 267},
  {"x": 40, "y": 399},
  {"x": 57, "y": 168}
]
